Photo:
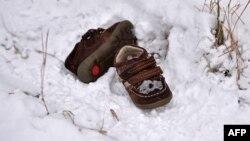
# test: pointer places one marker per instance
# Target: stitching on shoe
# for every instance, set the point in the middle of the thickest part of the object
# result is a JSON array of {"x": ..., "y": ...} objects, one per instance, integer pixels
[{"x": 149, "y": 96}]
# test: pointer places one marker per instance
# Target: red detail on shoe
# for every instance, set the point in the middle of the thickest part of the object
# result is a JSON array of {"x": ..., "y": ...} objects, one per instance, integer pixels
[{"x": 95, "y": 70}]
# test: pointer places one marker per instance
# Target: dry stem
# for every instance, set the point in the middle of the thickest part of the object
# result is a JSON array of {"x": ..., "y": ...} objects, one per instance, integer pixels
[
  {"x": 71, "y": 116},
  {"x": 114, "y": 114},
  {"x": 234, "y": 48},
  {"x": 44, "y": 49},
  {"x": 49, "y": 54},
  {"x": 6, "y": 28},
  {"x": 241, "y": 15}
]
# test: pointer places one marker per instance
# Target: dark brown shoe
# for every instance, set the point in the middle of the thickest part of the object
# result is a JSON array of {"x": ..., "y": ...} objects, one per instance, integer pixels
[
  {"x": 141, "y": 77},
  {"x": 94, "y": 54}
]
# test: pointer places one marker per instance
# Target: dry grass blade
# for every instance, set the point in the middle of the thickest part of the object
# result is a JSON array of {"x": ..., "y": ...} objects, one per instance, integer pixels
[
  {"x": 204, "y": 5},
  {"x": 240, "y": 15},
  {"x": 6, "y": 28},
  {"x": 226, "y": 29},
  {"x": 212, "y": 5},
  {"x": 114, "y": 114},
  {"x": 233, "y": 12},
  {"x": 49, "y": 54},
  {"x": 44, "y": 49},
  {"x": 69, "y": 115},
  {"x": 101, "y": 129},
  {"x": 234, "y": 47}
]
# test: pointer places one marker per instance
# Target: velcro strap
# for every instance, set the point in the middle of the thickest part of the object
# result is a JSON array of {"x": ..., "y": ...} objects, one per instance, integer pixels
[
  {"x": 136, "y": 67},
  {"x": 145, "y": 75}
]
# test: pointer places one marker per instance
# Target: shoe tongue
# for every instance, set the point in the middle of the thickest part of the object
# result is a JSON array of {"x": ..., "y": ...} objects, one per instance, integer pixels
[{"x": 130, "y": 59}]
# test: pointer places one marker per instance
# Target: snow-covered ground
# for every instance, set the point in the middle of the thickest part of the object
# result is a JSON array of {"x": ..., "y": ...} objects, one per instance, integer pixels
[{"x": 175, "y": 30}]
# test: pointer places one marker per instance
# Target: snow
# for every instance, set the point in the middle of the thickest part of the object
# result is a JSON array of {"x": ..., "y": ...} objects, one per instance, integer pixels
[
  {"x": 176, "y": 32},
  {"x": 148, "y": 86}
]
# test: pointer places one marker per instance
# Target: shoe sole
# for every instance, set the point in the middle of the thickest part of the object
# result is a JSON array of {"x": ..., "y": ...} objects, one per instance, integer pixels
[
  {"x": 155, "y": 104},
  {"x": 104, "y": 55}
]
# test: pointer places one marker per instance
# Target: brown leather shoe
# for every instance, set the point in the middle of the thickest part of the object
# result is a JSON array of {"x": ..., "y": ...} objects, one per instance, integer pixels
[
  {"x": 94, "y": 54},
  {"x": 141, "y": 77}
]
